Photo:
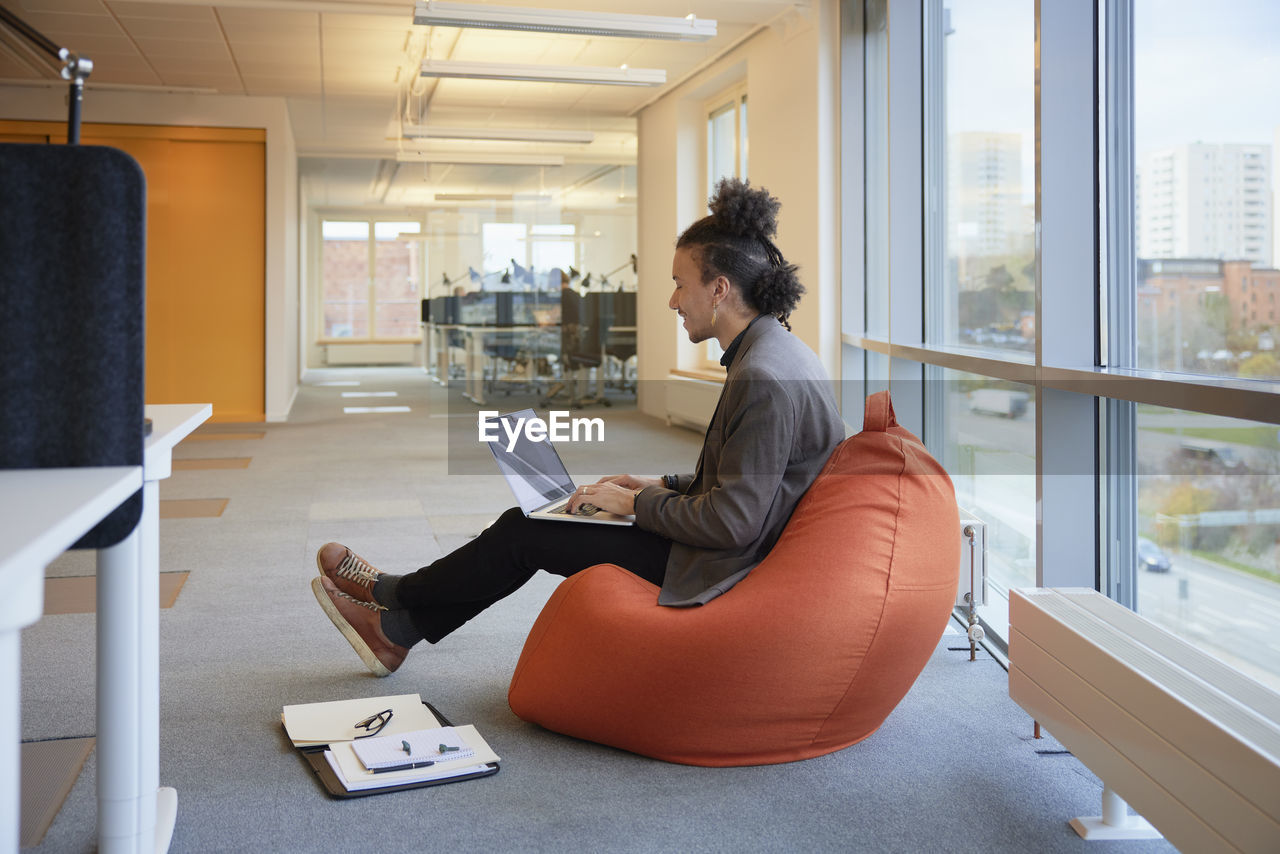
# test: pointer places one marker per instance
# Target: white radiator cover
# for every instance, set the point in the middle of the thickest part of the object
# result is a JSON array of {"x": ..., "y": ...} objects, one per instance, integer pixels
[
  {"x": 370, "y": 353},
  {"x": 691, "y": 402},
  {"x": 1192, "y": 744}
]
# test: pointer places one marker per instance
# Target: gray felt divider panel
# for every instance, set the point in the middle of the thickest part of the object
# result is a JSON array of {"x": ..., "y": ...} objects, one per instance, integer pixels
[{"x": 72, "y": 252}]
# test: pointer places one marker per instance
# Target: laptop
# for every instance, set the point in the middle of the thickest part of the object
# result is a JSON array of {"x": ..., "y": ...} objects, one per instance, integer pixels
[{"x": 538, "y": 478}]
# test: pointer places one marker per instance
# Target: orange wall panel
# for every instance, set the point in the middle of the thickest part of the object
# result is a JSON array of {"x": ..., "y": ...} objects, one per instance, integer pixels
[{"x": 206, "y": 259}]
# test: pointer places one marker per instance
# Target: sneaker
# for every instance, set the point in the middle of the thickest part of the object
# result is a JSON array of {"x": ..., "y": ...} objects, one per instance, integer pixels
[
  {"x": 360, "y": 624},
  {"x": 349, "y": 572}
]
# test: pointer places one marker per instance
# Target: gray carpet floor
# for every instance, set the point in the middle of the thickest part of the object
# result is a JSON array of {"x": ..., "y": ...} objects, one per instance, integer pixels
[{"x": 954, "y": 767}]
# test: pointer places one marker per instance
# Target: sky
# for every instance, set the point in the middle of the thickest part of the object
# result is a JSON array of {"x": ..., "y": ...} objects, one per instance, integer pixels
[
  {"x": 1203, "y": 72},
  {"x": 1207, "y": 72}
]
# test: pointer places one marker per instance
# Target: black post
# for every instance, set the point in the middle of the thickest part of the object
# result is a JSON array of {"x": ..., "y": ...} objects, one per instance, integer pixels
[
  {"x": 74, "y": 100},
  {"x": 77, "y": 68}
]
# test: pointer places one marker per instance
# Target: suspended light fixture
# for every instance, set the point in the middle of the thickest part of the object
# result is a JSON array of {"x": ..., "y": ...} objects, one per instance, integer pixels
[
  {"x": 437, "y": 14},
  {"x": 497, "y": 134},
  {"x": 480, "y": 158},
  {"x": 604, "y": 75}
]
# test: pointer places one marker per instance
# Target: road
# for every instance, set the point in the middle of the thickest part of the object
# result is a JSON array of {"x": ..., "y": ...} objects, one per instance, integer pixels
[
  {"x": 1015, "y": 438},
  {"x": 1231, "y": 615}
]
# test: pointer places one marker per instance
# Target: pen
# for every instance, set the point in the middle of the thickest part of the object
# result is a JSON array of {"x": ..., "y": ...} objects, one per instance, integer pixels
[{"x": 408, "y": 765}]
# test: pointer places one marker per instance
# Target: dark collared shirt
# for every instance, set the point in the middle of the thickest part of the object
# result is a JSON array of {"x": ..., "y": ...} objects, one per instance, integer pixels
[{"x": 727, "y": 359}]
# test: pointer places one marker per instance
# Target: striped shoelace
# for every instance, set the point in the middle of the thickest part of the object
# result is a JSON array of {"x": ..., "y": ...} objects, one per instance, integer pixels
[
  {"x": 355, "y": 570},
  {"x": 372, "y": 606}
]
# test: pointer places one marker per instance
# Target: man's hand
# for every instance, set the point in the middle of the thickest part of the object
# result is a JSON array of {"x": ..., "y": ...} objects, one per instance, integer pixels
[{"x": 616, "y": 493}]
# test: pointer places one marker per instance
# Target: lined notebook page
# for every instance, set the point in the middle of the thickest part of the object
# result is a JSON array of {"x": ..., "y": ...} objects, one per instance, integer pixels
[{"x": 443, "y": 744}]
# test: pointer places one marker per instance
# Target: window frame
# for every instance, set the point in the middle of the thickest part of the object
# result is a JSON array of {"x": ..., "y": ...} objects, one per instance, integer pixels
[
  {"x": 1082, "y": 367},
  {"x": 318, "y": 219}
]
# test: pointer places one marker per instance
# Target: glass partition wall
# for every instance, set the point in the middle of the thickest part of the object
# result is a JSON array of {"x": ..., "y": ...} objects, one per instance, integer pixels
[
  {"x": 1066, "y": 244},
  {"x": 371, "y": 268}
]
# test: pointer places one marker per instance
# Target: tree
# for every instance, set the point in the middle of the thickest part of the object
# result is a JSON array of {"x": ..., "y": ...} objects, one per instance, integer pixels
[
  {"x": 999, "y": 278},
  {"x": 1217, "y": 315},
  {"x": 1261, "y": 366}
]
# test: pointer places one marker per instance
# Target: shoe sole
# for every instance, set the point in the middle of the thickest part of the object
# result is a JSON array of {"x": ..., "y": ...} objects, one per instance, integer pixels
[{"x": 348, "y": 631}]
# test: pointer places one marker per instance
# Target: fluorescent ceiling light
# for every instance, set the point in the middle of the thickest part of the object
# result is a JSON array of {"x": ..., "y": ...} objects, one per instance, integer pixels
[
  {"x": 491, "y": 197},
  {"x": 503, "y": 134},
  {"x": 434, "y": 13},
  {"x": 621, "y": 76},
  {"x": 480, "y": 158}
]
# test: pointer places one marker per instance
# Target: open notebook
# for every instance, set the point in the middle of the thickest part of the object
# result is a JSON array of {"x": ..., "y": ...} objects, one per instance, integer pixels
[{"x": 329, "y": 737}]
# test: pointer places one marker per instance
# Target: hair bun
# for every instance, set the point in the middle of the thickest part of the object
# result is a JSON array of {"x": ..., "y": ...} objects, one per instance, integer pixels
[
  {"x": 777, "y": 291},
  {"x": 741, "y": 209}
]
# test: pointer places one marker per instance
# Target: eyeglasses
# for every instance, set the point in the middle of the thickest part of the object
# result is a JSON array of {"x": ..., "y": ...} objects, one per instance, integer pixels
[{"x": 374, "y": 723}]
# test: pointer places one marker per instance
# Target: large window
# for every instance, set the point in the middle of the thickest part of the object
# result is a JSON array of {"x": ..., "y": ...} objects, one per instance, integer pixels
[
  {"x": 876, "y": 166},
  {"x": 345, "y": 279},
  {"x": 370, "y": 279},
  {"x": 988, "y": 447},
  {"x": 727, "y": 139},
  {"x": 726, "y": 158},
  {"x": 980, "y": 138},
  {"x": 1208, "y": 491},
  {"x": 1204, "y": 176},
  {"x": 1085, "y": 191},
  {"x": 529, "y": 254},
  {"x": 1208, "y": 524}
]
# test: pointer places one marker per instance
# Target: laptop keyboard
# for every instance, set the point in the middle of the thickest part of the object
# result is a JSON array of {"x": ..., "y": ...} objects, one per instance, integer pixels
[{"x": 583, "y": 510}]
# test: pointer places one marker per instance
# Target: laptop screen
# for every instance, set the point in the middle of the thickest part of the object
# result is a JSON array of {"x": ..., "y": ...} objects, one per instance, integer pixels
[{"x": 533, "y": 469}]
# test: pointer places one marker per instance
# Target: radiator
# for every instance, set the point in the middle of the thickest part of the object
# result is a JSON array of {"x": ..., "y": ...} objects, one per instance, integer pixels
[
  {"x": 371, "y": 353},
  {"x": 973, "y": 561},
  {"x": 691, "y": 402},
  {"x": 1192, "y": 744},
  {"x": 971, "y": 592}
]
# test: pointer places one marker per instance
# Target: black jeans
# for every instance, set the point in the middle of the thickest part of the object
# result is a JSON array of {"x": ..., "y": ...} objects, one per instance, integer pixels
[{"x": 443, "y": 596}]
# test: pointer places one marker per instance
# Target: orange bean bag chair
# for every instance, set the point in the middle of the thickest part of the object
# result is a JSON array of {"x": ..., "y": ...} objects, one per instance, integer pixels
[{"x": 806, "y": 655}]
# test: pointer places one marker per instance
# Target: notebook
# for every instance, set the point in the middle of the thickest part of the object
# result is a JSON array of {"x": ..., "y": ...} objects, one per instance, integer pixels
[
  {"x": 354, "y": 762},
  {"x": 538, "y": 478},
  {"x": 326, "y": 734}
]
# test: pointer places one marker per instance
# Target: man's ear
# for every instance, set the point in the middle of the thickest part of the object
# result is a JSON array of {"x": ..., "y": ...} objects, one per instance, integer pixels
[{"x": 720, "y": 288}]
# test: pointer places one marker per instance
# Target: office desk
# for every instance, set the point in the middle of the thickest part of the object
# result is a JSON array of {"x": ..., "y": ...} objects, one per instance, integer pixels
[
  {"x": 135, "y": 813},
  {"x": 436, "y": 350},
  {"x": 477, "y": 359},
  {"x": 46, "y": 510}
]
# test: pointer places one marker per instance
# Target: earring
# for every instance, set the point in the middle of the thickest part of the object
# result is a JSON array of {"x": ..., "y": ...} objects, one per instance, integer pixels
[{"x": 714, "y": 306}]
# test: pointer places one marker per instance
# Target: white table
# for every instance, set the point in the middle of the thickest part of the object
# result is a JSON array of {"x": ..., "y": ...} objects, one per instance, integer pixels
[
  {"x": 135, "y": 814},
  {"x": 45, "y": 511}
]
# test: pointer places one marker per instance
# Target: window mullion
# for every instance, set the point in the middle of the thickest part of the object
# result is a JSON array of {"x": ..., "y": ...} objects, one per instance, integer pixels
[
  {"x": 1118, "y": 498},
  {"x": 906, "y": 212},
  {"x": 1066, "y": 292},
  {"x": 372, "y": 280}
]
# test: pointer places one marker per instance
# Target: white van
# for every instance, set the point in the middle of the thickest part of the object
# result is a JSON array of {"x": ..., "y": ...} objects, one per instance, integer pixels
[{"x": 998, "y": 401}]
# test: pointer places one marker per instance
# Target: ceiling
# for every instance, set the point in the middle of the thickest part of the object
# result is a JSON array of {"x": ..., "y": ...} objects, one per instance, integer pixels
[{"x": 348, "y": 70}]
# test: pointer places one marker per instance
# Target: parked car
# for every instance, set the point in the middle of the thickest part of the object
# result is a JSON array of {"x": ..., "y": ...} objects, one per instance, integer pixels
[
  {"x": 998, "y": 401},
  {"x": 1210, "y": 457},
  {"x": 1151, "y": 557}
]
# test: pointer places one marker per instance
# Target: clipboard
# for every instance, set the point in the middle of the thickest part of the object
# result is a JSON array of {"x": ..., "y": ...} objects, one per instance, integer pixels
[{"x": 314, "y": 756}]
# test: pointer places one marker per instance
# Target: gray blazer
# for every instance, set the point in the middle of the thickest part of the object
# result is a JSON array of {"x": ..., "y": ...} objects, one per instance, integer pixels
[{"x": 774, "y": 427}]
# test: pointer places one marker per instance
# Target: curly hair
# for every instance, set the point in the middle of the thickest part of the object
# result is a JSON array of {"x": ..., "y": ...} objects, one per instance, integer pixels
[{"x": 736, "y": 241}]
